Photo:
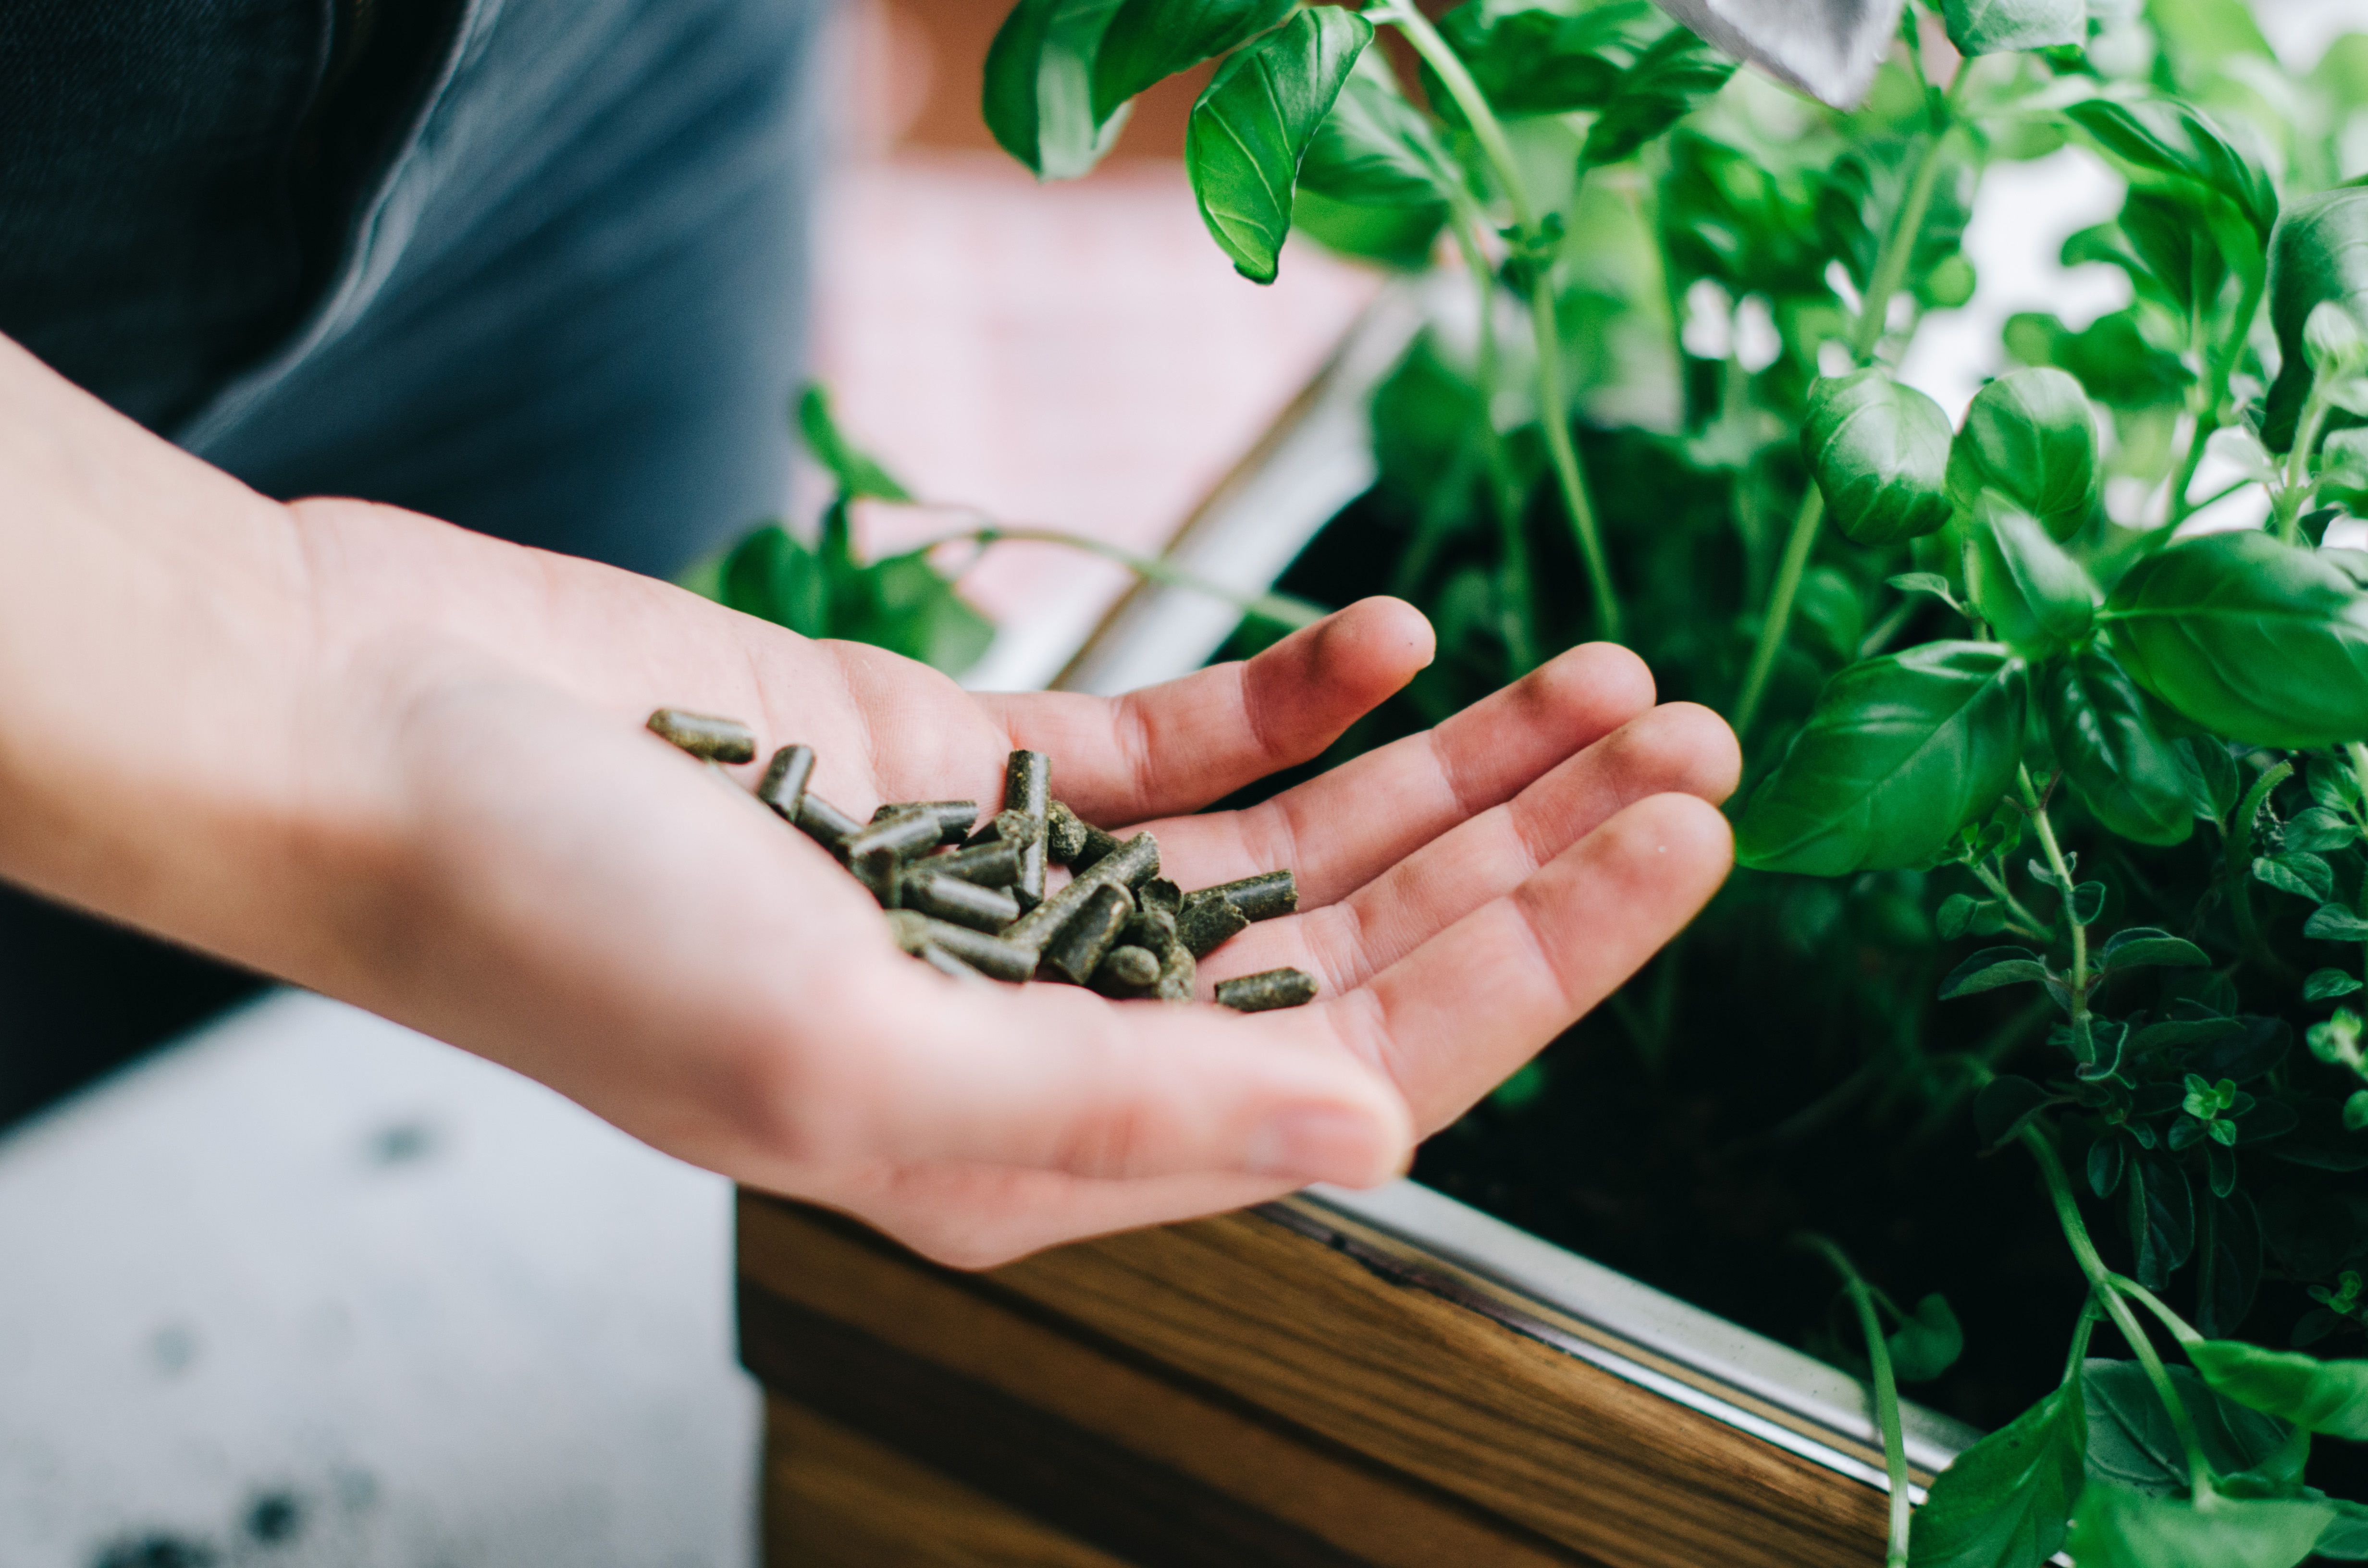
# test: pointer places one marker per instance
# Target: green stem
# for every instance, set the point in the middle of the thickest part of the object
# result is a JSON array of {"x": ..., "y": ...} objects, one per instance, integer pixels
[
  {"x": 2102, "y": 1281},
  {"x": 1553, "y": 413},
  {"x": 1778, "y": 620},
  {"x": 1886, "y": 1391},
  {"x": 2181, "y": 1329},
  {"x": 1281, "y": 609},
  {"x": 2033, "y": 927},
  {"x": 2063, "y": 870},
  {"x": 2215, "y": 392},
  {"x": 2091, "y": 1313},
  {"x": 1521, "y": 613},
  {"x": 2294, "y": 483},
  {"x": 2240, "y": 851}
]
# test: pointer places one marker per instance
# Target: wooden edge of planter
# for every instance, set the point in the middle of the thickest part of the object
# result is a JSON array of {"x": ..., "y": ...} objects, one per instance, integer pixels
[
  {"x": 1313, "y": 459},
  {"x": 1296, "y": 1385}
]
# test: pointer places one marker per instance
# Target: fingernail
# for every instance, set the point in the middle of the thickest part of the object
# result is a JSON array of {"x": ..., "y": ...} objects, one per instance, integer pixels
[{"x": 1311, "y": 1144}]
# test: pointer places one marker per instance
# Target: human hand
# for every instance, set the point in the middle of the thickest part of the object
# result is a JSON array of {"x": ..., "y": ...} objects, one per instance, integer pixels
[{"x": 437, "y": 802}]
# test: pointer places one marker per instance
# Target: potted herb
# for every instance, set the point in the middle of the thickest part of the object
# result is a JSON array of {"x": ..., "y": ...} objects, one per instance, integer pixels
[{"x": 2053, "y": 834}]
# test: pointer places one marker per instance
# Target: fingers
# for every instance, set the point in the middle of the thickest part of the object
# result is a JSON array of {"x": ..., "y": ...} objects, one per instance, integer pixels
[
  {"x": 1679, "y": 748},
  {"x": 1459, "y": 1013},
  {"x": 1340, "y": 831},
  {"x": 1176, "y": 746}
]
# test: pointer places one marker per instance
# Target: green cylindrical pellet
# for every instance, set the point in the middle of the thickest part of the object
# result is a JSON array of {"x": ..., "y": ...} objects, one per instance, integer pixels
[
  {"x": 991, "y": 956},
  {"x": 920, "y": 886},
  {"x": 705, "y": 735},
  {"x": 784, "y": 784},
  {"x": 954, "y": 817},
  {"x": 1089, "y": 934},
  {"x": 1206, "y": 920},
  {"x": 1261, "y": 897},
  {"x": 1027, "y": 788},
  {"x": 1064, "y": 834},
  {"x": 1268, "y": 990},
  {"x": 1127, "y": 968},
  {"x": 899, "y": 838},
  {"x": 1136, "y": 860},
  {"x": 826, "y": 824},
  {"x": 1151, "y": 927},
  {"x": 1179, "y": 976},
  {"x": 944, "y": 962},
  {"x": 989, "y": 865},
  {"x": 1159, "y": 892}
]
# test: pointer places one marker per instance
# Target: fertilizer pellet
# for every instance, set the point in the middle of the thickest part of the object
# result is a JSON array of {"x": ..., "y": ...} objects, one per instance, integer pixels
[
  {"x": 1027, "y": 788},
  {"x": 990, "y": 955},
  {"x": 784, "y": 784},
  {"x": 1204, "y": 922},
  {"x": 1261, "y": 897},
  {"x": 1078, "y": 950},
  {"x": 1132, "y": 968},
  {"x": 1261, "y": 992},
  {"x": 704, "y": 735},
  {"x": 921, "y": 887}
]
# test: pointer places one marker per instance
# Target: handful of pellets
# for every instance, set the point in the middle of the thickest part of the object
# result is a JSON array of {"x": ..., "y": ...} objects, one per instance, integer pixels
[{"x": 972, "y": 904}]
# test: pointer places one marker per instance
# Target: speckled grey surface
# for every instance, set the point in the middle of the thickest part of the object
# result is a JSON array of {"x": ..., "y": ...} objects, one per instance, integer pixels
[{"x": 310, "y": 1289}]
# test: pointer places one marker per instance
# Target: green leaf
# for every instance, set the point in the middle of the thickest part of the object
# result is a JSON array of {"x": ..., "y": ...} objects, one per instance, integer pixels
[
  {"x": 2037, "y": 600},
  {"x": 2030, "y": 438},
  {"x": 1253, "y": 124},
  {"x": 2113, "y": 1529},
  {"x": 1897, "y": 755},
  {"x": 2006, "y": 1106},
  {"x": 1375, "y": 148},
  {"x": 1991, "y": 968},
  {"x": 1535, "y": 57},
  {"x": 1927, "y": 1343},
  {"x": 2317, "y": 828},
  {"x": 1676, "y": 73},
  {"x": 1038, "y": 100},
  {"x": 2112, "y": 358},
  {"x": 2333, "y": 784},
  {"x": 772, "y": 576},
  {"x": 2005, "y": 27},
  {"x": 855, "y": 473},
  {"x": 2004, "y": 1502},
  {"x": 2211, "y": 778},
  {"x": 1150, "y": 40},
  {"x": 2132, "y": 1445},
  {"x": 1930, "y": 582},
  {"x": 2326, "y": 985},
  {"x": 2346, "y": 1541},
  {"x": 2168, "y": 137},
  {"x": 1879, "y": 451},
  {"x": 2106, "y": 1157},
  {"x": 2333, "y": 923},
  {"x": 2248, "y": 637},
  {"x": 2298, "y": 872},
  {"x": 2327, "y": 1397},
  {"x": 2318, "y": 254},
  {"x": 1400, "y": 237},
  {"x": 901, "y": 603},
  {"x": 2145, "y": 945}
]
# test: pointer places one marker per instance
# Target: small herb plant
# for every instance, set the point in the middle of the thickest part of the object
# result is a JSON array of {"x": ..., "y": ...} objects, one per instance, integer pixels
[{"x": 2015, "y": 743}]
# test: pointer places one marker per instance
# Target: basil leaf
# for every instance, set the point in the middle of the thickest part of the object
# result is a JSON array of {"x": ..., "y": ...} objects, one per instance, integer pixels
[
  {"x": 2345, "y": 1540},
  {"x": 2037, "y": 600},
  {"x": 774, "y": 577},
  {"x": 2168, "y": 137},
  {"x": 2112, "y": 358},
  {"x": 1375, "y": 148},
  {"x": 1879, "y": 452},
  {"x": 1540, "y": 58},
  {"x": 2113, "y": 1529},
  {"x": 2145, "y": 945},
  {"x": 2118, "y": 763},
  {"x": 1251, "y": 128},
  {"x": 2006, "y": 1499},
  {"x": 2028, "y": 437},
  {"x": 2210, "y": 774},
  {"x": 2161, "y": 1219},
  {"x": 2228, "y": 1252},
  {"x": 2005, "y": 27},
  {"x": 1897, "y": 755},
  {"x": 2132, "y": 1446},
  {"x": 2329, "y": 1397},
  {"x": 2248, "y": 637},
  {"x": 855, "y": 473},
  {"x": 1038, "y": 100},
  {"x": 1150, "y": 40},
  {"x": 1927, "y": 1343},
  {"x": 901, "y": 603},
  {"x": 1676, "y": 73},
  {"x": 2319, "y": 254}
]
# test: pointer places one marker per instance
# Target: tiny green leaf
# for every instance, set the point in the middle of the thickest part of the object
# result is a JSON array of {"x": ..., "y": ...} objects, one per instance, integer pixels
[
  {"x": 1038, "y": 100},
  {"x": 1991, "y": 968},
  {"x": 1898, "y": 754},
  {"x": 2145, "y": 945},
  {"x": 1149, "y": 41},
  {"x": 1676, "y": 73},
  {"x": 2326, "y": 985},
  {"x": 2248, "y": 637},
  {"x": 2333, "y": 923},
  {"x": 2006, "y": 26},
  {"x": 2318, "y": 256},
  {"x": 1927, "y": 1343},
  {"x": 2038, "y": 600},
  {"x": 2029, "y": 437},
  {"x": 1253, "y": 124},
  {"x": 1930, "y": 582},
  {"x": 855, "y": 473},
  {"x": 2328, "y": 1397},
  {"x": 2296, "y": 871},
  {"x": 2319, "y": 829},
  {"x": 1879, "y": 451},
  {"x": 2006, "y": 1500}
]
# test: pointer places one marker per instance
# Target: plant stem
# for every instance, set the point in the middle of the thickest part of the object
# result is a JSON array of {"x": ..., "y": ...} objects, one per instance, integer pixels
[
  {"x": 2240, "y": 851},
  {"x": 1281, "y": 609},
  {"x": 2033, "y": 927},
  {"x": 2181, "y": 1329},
  {"x": 2102, "y": 1281},
  {"x": 1553, "y": 413},
  {"x": 1890, "y": 271},
  {"x": 1886, "y": 1391},
  {"x": 1521, "y": 613},
  {"x": 2090, "y": 1313},
  {"x": 2063, "y": 870},
  {"x": 2215, "y": 391},
  {"x": 2295, "y": 484}
]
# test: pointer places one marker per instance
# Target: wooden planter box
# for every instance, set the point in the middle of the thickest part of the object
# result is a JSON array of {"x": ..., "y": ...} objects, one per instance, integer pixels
[{"x": 1338, "y": 1378}]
